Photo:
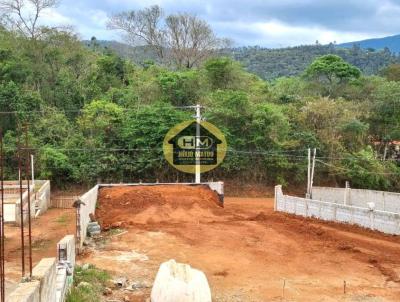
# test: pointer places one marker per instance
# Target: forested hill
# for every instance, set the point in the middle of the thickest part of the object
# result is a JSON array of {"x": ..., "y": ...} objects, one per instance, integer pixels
[
  {"x": 92, "y": 116},
  {"x": 391, "y": 42},
  {"x": 273, "y": 63}
]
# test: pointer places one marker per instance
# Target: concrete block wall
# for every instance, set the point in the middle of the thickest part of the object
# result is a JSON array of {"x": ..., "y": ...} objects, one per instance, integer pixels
[
  {"x": 43, "y": 196},
  {"x": 26, "y": 292},
  {"x": 45, "y": 273},
  {"x": 50, "y": 278},
  {"x": 13, "y": 210},
  {"x": 386, "y": 222},
  {"x": 42, "y": 288},
  {"x": 67, "y": 243},
  {"x": 384, "y": 201},
  {"x": 24, "y": 203},
  {"x": 62, "y": 284},
  {"x": 336, "y": 195},
  {"x": 89, "y": 199},
  {"x": 9, "y": 212},
  {"x": 65, "y": 268}
]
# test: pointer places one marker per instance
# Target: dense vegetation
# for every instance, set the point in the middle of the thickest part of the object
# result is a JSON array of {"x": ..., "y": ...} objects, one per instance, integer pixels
[
  {"x": 94, "y": 115},
  {"x": 273, "y": 63},
  {"x": 270, "y": 64}
]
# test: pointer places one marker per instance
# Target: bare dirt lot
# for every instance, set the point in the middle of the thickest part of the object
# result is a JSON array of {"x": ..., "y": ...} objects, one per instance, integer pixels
[{"x": 248, "y": 252}]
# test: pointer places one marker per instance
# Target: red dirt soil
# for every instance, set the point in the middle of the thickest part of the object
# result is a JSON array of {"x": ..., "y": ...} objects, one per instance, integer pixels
[
  {"x": 154, "y": 204},
  {"x": 246, "y": 249}
]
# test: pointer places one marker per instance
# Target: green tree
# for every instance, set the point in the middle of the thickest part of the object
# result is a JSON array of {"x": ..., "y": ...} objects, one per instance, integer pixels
[
  {"x": 392, "y": 72},
  {"x": 101, "y": 120},
  {"x": 331, "y": 70},
  {"x": 55, "y": 165},
  {"x": 220, "y": 72},
  {"x": 180, "y": 88}
]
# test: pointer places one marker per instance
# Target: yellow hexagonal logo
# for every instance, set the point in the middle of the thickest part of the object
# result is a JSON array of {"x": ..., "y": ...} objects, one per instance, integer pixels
[{"x": 190, "y": 143}]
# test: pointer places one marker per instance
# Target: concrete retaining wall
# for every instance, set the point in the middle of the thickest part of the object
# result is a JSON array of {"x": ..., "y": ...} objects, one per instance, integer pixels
[
  {"x": 45, "y": 273},
  {"x": 39, "y": 200},
  {"x": 43, "y": 196},
  {"x": 51, "y": 278},
  {"x": 384, "y": 201},
  {"x": 9, "y": 212},
  {"x": 386, "y": 222},
  {"x": 24, "y": 204},
  {"x": 89, "y": 199},
  {"x": 65, "y": 267},
  {"x": 26, "y": 292}
]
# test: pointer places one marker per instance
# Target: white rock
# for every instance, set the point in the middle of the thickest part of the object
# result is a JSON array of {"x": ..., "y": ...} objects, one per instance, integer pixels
[{"x": 178, "y": 282}]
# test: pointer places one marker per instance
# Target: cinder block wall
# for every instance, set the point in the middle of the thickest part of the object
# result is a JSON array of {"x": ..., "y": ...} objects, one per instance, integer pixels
[
  {"x": 386, "y": 222},
  {"x": 50, "y": 280},
  {"x": 43, "y": 197},
  {"x": 26, "y": 292},
  {"x": 45, "y": 272},
  {"x": 66, "y": 257},
  {"x": 89, "y": 199},
  {"x": 384, "y": 201}
]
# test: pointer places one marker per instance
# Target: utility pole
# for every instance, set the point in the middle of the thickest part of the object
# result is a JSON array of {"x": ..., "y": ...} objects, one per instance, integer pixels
[
  {"x": 312, "y": 172},
  {"x": 2, "y": 267},
  {"x": 197, "y": 152}
]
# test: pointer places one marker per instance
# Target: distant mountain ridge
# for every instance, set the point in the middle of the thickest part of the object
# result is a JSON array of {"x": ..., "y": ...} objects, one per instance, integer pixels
[
  {"x": 270, "y": 64},
  {"x": 390, "y": 42}
]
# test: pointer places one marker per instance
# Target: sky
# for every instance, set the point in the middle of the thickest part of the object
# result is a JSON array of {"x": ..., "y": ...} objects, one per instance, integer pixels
[{"x": 267, "y": 23}]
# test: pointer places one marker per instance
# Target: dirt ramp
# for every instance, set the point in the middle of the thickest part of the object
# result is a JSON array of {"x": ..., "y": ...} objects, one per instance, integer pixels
[{"x": 126, "y": 205}]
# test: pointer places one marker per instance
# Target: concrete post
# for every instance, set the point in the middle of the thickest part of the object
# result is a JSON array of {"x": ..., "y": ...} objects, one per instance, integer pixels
[
  {"x": 346, "y": 194},
  {"x": 198, "y": 121}
]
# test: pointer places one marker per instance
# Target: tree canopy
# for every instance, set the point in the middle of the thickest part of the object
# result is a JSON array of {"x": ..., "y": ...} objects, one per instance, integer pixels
[{"x": 94, "y": 115}]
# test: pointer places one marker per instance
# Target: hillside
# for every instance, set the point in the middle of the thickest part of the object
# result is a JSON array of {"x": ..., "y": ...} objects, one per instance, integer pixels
[
  {"x": 391, "y": 42},
  {"x": 93, "y": 117},
  {"x": 273, "y": 63},
  {"x": 269, "y": 63}
]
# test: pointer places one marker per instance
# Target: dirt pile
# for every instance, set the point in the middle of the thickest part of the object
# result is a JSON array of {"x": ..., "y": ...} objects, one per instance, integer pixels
[{"x": 123, "y": 206}]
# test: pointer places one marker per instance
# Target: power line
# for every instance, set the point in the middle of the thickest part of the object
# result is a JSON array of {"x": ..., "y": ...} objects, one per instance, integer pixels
[
  {"x": 286, "y": 153},
  {"x": 51, "y": 110},
  {"x": 350, "y": 171}
]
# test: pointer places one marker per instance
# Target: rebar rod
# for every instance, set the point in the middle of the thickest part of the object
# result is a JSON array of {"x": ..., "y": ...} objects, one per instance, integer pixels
[
  {"x": 21, "y": 209},
  {"x": 27, "y": 173}
]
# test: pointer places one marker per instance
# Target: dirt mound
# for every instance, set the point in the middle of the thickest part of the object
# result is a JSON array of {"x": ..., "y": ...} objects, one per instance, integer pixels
[
  {"x": 259, "y": 217},
  {"x": 127, "y": 205}
]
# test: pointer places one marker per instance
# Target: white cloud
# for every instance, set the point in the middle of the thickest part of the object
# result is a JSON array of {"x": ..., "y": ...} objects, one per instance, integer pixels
[
  {"x": 277, "y": 34},
  {"x": 52, "y": 17},
  {"x": 256, "y": 22}
]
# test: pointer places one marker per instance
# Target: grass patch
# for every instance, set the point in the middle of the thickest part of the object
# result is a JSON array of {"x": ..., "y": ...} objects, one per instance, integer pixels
[
  {"x": 63, "y": 219},
  {"x": 88, "y": 284},
  {"x": 116, "y": 231},
  {"x": 41, "y": 244}
]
